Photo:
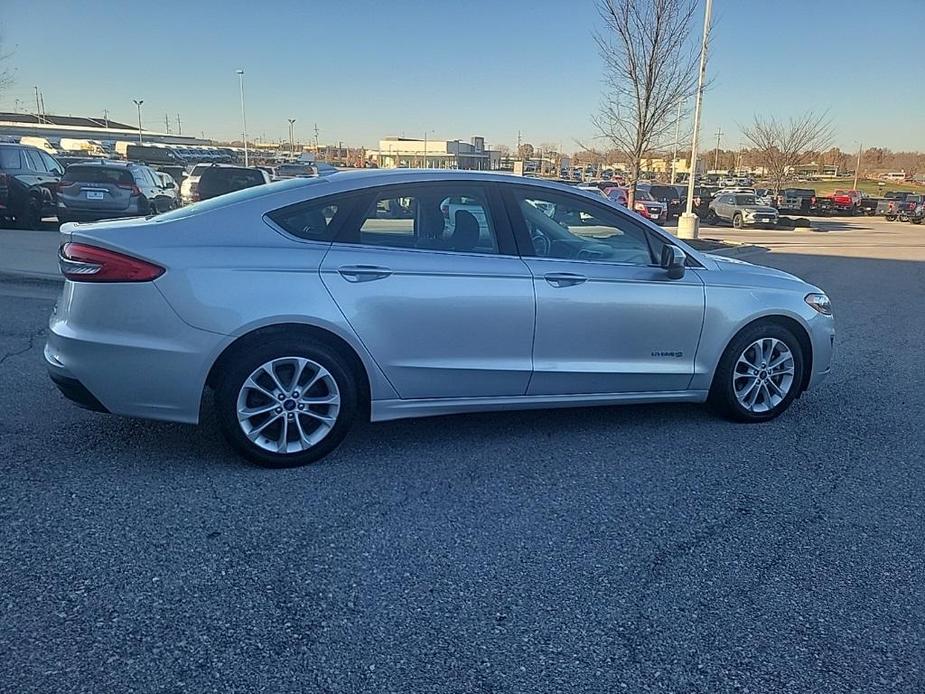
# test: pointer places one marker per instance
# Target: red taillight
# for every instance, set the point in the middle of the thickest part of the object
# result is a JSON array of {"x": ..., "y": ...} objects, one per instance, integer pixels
[
  {"x": 134, "y": 188},
  {"x": 82, "y": 263}
]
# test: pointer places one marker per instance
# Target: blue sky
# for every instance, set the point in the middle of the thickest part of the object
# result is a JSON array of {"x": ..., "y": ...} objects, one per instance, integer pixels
[{"x": 364, "y": 69}]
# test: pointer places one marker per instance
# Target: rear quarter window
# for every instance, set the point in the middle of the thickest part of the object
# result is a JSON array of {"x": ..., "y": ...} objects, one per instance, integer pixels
[
  {"x": 10, "y": 158},
  {"x": 314, "y": 220}
]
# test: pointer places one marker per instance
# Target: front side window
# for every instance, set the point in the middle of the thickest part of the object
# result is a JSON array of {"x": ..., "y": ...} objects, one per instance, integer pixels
[
  {"x": 51, "y": 164},
  {"x": 561, "y": 226},
  {"x": 432, "y": 217}
]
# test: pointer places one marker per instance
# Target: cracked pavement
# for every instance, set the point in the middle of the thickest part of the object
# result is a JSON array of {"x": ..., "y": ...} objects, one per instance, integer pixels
[{"x": 638, "y": 549}]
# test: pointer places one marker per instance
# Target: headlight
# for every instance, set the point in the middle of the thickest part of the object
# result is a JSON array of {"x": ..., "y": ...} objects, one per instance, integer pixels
[{"x": 820, "y": 302}]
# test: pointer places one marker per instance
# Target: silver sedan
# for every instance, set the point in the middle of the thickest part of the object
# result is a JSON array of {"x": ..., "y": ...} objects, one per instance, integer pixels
[{"x": 304, "y": 304}]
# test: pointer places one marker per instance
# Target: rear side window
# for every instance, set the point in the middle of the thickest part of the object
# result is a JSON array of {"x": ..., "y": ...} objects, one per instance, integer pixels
[
  {"x": 10, "y": 158},
  {"x": 34, "y": 160},
  {"x": 98, "y": 174},
  {"x": 313, "y": 220}
]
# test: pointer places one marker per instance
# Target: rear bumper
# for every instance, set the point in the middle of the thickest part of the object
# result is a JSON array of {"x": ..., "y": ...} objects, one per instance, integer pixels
[
  {"x": 154, "y": 366},
  {"x": 71, "y": 215},
  {"x": 71, "y": 388}
]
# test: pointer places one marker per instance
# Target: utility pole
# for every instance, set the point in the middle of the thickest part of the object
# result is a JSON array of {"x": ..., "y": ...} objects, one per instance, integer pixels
[
  {"x": 677, "y": 141},
  {"x": 138, "y": 106},
  {"x": 38, "y": 105},
  {"x": 291, "y": 141},
  {"x": 167, "y": 123},
  {"x": 106, "y": 117},
  {"x": 424, "y": 159},
  {"x": 688, "y": 227},
  {"x": 316, "y": 140},
  {"x": 243, "y": 117},
  {"x": 857, "y": 168},
  {"x": 719, "y": 134},
  {"x": 519, "y": 143},
  {"x": 179, "y": 129}
]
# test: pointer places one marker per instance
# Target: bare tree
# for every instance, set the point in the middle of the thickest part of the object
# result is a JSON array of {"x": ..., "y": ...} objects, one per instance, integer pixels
[
  {"x": 649, "y": 68},
  {"x": 6, "y": 73},
  {"x": 781, "y": 146}
]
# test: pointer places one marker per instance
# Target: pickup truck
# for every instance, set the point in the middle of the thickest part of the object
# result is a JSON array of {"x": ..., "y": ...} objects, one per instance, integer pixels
[
  {"x": 846, "y": 200},
  {"x": 897, "y": 203},
  {"x": 798, "y": 200}
]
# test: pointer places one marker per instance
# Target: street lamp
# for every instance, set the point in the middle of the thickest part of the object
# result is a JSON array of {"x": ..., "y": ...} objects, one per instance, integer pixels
[
  {"x": 291, "y": 145},
  {"x": 688, "y": 222},
  {"x": 243, "y": 117},
  {"x": 138, "y": 106}
]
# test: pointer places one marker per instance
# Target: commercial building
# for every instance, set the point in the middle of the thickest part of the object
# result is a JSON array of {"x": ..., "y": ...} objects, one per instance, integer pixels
[
  {"x": 414, "y": 153},
  {"x": 53, "y": 128}
]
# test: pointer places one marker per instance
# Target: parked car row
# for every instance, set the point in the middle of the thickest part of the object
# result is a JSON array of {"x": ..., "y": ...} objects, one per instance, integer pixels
[{"x": 35, "y": 185}]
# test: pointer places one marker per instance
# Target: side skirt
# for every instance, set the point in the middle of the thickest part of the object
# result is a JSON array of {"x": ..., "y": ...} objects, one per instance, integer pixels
[{"x": 383, "y": 410}]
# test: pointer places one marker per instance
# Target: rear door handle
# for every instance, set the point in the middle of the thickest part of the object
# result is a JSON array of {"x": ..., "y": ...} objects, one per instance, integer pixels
[
  {"x": 363, "y": 273},
  {"x": 564, "y": 279}
]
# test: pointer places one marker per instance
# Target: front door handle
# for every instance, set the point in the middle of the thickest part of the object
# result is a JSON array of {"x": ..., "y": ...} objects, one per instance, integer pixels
[
  {"x": 564, "y": 279},
  {"x": 363, "y": 273}
]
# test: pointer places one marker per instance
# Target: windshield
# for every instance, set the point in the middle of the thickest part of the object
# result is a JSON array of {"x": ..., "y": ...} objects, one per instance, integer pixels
[
  {"x": 745, "y": 200},
  {"x": 644, "y": 195}
]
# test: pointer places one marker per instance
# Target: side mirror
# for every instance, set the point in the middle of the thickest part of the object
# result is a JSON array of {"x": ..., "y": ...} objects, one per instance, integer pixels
[{"x": 673, "y": 262}]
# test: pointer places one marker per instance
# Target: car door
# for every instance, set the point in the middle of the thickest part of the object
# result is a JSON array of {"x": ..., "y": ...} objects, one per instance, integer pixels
[
  {"x": 608, "y": 318},
  {"x": 446, "y": 311}
]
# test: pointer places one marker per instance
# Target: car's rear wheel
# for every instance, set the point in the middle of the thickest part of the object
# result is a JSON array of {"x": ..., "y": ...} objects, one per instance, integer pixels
[
  {"x": 759, "y": 374},
  {"x": 30, "y": 216},
  {"x": 737, "y": 221},
  {"x": 286, "y": 402}
]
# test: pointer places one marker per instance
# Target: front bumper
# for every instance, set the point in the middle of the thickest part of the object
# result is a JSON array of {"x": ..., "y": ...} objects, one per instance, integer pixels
[{"x": 822, "y": 335}]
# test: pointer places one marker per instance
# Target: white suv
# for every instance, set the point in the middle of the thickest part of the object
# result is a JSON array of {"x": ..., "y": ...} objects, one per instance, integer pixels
[{"x": 188, "y": 187}]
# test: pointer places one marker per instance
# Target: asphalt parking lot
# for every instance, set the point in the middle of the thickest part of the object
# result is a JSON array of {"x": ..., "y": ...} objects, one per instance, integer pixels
[{"x": 597, "y": 550}]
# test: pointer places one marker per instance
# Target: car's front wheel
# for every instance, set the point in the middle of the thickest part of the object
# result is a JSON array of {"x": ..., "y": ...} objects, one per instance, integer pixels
[
  {"x": 759, "y": 374},
  {"x": 286, "y": 402},
  {"x": 737, "y": 221}
]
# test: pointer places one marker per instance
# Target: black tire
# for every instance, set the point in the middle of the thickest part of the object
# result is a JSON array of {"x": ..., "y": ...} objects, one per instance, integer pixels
[
  {"x": 30, "y": 216},
  {"x": 246, "y": 360},
  {"x": 711, "y": 217},
  {"x": 737, "y": 221},
  {"x": 722, "y": 398}
]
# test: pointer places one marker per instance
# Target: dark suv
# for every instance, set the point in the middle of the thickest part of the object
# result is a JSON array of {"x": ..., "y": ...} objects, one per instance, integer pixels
[
  {"x": 28, "y": 181},
  {"x": 220, "y": 179},
  {"x": 109, "y": 189},
  {"x": 674, "y": 201}
]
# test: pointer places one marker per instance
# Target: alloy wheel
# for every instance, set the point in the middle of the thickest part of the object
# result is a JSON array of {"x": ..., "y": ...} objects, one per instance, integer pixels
[
  {"x": 763, "y": 375},
  {"x": 288, "y": 405}
]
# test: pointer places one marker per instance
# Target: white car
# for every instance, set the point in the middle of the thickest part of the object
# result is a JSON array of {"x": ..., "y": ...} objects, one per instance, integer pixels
[{"x": 190, "y": 182}]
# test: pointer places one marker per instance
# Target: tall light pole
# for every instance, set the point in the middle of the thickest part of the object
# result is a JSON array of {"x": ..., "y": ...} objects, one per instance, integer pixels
[
  {"x": 857, "y": 168},
  {"x": 138, "y": 106},
  {"x": 424, "y": 160},
  {"x": 719, "y": 135},
  {"x": 291, "y": 141},
  {"x": 688, "y": 223},
  {"x": 243, "y": 117},
  {"x": 677, "y": 142}
]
